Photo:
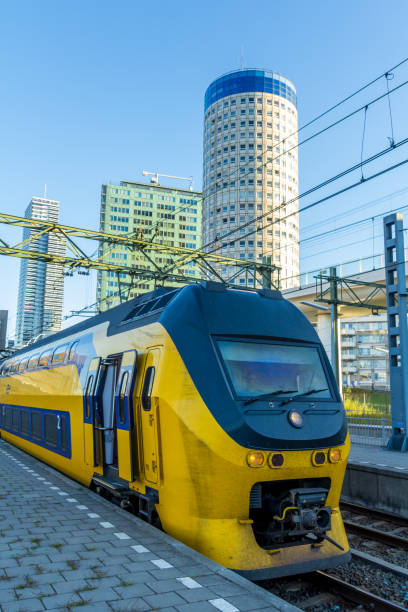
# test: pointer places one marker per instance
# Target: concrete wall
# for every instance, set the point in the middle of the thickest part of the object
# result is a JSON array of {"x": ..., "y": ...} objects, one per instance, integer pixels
[{"x": 380, "y": 488}]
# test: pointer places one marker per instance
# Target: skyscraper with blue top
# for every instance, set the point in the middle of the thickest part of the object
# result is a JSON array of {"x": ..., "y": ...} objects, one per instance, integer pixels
[{"x": 250, "y": 170}]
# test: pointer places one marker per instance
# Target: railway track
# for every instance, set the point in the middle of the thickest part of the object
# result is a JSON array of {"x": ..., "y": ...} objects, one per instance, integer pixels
[
  {"x": 355, "y": 594},
  {"x": 321, "y": 591},
  {"x": 386, "y": 528},
  {"x": 375, "y": 534},
  {"x": 376, "y": 579},
  {"x": 378, "y": 515}
]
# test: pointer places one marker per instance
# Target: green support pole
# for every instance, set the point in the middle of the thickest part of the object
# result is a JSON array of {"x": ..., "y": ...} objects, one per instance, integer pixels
[
  {"x": 266, "y": 272},
  {"x": 334, "y": 326}
]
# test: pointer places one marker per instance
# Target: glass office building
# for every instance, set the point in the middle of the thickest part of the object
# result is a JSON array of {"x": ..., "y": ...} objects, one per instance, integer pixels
[
  {"x": 250, "y": 170},
  {"x": 149, "y": 211},
  {"x": 41, "y": 285},
  {"x": 3, "y": 328}
]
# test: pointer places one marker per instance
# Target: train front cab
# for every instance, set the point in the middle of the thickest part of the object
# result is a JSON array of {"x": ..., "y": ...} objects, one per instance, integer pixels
[{"x": 213, "y": 497}]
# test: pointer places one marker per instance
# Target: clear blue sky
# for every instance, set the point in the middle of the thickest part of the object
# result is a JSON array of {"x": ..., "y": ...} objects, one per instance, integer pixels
[{"x": 95, "y": 91}]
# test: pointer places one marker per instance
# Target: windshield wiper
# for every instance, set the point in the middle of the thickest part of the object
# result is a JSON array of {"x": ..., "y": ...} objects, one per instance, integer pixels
[
  {"x": 267, "y": 395},
  {"x": 310, "y": 392}
]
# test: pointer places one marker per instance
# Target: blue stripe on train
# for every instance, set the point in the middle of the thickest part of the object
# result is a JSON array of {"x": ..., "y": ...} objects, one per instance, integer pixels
[{"x": 50, "y": 429}]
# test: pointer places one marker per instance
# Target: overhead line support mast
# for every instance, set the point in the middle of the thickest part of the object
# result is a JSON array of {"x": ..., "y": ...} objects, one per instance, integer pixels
[{"x": 172, "y": 269}]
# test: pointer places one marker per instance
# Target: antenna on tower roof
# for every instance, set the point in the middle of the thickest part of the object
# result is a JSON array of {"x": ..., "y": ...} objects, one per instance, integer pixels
[
  {"x": 45, "y": 191},
  {"x": 242, "y": 57}
]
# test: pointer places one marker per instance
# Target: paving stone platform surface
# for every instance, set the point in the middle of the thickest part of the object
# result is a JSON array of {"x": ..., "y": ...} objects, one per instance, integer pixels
[
  {"x": 378, "y": 457},
  {"x": 62, "y": 547}
]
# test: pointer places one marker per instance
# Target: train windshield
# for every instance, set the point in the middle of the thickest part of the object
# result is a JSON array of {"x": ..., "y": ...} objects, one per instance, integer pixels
[{"x": 259, "y": 368}]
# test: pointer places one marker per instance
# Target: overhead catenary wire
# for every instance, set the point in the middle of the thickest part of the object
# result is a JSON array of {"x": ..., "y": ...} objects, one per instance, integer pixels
[
  {"x": 322, "y": 234},
  {"x": 182, "y": 208},
  {"x": 304, "y": 194},
  {"x": 318, "y": 133},
  {"x": 392, "y": 146},
  {"x": 388, "y": 77},
  {"x": 363, "y": 206},
  {"x": 341, "y": 102},
  {"x": 332, "y": 195},
  {"x": 218, "y": 184},
  {"x": 342, "y": 228}
]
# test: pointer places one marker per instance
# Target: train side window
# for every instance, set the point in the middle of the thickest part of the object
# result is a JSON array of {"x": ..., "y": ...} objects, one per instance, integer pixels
[
  {"x": 60, "y": 354},
  {"x": 63, "y": 425},
  {"x": 122, "y": 395},
  {"x": 25, "y": 423},
  {"x": 45, "y": 358},
  {"x": 147, "y": 388},
  {"x": 7, "y": 418},
  {"x": 14, "y": 419},
  {"x": 36, "y": 426},
  {"x": 50, "y": 429},
  {"x": 87, "y": 396},
  {"x": 33, "y": 362},
  {"x": 73, "y": 351}
]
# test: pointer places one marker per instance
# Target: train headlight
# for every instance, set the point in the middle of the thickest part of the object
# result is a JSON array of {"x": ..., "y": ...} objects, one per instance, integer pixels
[
  {"x": 334, "y": 455},
  {"x": 276, "y": 460},
  {"x": 295, "y": 418},
  {"x": 255, "y": 459},
  {"x": 318, "y": 458}
]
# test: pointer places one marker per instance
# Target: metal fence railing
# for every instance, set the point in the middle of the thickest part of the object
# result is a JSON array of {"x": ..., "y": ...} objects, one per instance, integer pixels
[
  {"x": 369, "y": 415},
  {"x": 369, "y": 430}
]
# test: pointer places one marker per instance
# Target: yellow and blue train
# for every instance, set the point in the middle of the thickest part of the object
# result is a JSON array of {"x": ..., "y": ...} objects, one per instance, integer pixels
[{"x": 210, "y": 411}]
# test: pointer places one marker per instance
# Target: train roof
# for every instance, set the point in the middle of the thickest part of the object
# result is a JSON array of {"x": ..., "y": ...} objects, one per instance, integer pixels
[
  {"x": 114, "y": 315},
  {"x": 221, "y": 310}
]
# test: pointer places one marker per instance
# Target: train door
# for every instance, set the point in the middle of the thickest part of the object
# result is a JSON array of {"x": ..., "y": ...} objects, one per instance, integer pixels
[
  {"x": 110, "y": 368},
  {"x": 124, "y": 415},
  {"x": 104, "y": 417},
  {"x": 149, "y": 416},
  {"x": 89, "y": 398}
]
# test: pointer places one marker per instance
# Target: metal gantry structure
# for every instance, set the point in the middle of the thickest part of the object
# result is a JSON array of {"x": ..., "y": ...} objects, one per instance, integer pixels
[
  {"x": 397, "y": 329},
  {"x": 339, "y": 291},
  {"x": 172, "y": 269}
]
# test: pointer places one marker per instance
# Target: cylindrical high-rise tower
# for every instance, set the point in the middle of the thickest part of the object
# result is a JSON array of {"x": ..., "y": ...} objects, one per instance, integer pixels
[{"x": 251, "y": 168}]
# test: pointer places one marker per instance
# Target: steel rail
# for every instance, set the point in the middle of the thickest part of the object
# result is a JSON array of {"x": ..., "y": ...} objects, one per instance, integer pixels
[
  {"x": 380, "y": 515},
  {"x": 355, "y": 594},
  {"x": 375, "y": 534}
]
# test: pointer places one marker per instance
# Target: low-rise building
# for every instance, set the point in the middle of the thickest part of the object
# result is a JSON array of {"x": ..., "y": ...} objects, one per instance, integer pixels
[{"x": 364, "y": 352}]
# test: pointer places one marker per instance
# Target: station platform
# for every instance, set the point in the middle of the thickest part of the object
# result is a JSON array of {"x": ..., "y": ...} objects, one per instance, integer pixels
[
  {"x": 63, "y": 547},
  {"x": 379, "y": 457},
  {"x": 377, "y": 478}
]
